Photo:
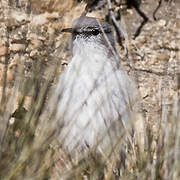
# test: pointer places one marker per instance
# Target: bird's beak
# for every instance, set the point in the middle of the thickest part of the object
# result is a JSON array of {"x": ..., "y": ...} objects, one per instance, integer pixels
[{"x": 70, "y": 30}]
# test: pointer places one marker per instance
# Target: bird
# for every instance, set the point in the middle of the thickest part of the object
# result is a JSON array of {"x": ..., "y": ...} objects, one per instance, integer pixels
[{"x": 94, "y": 94}]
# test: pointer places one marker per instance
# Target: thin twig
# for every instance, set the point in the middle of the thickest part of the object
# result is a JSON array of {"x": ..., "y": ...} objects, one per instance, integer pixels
[
  {"x": 145, "y": 19},
  {"x": 155, "y": 11},
  {"x": 118, "y": 29}
]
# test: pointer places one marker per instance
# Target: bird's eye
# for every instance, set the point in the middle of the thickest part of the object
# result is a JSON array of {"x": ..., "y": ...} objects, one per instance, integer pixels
[{"x": 95, "y": 32}]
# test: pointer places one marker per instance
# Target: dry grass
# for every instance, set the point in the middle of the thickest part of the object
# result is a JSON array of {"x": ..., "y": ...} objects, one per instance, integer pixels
[{"x": 29, "y": 148}]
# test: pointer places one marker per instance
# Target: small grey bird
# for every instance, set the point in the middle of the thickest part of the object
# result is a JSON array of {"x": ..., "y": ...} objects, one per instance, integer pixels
[{"x": 94, "y": 94}]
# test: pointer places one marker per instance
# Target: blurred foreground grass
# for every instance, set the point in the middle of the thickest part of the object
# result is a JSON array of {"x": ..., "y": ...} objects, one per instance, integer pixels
[{"x": 29, "y": 149}]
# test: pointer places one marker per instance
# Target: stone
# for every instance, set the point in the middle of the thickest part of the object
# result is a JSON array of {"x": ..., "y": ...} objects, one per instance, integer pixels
[
  {"x": 44, "y": 18},
  {"x": 163, "y": 57},
  {"x": 144, "y": 92},
  {"x": 17, "y": 47},
  {"x": 36, "y": 43},
  {"x": 33, "y": 53},
  {"x": 162, "y": 22},
  {"x": 19, "y": 16},
  {"x": 3, "y": 50}
]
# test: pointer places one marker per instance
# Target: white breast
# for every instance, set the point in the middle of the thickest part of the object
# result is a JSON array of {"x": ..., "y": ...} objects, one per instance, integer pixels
[{"x": 93, "y": 96}]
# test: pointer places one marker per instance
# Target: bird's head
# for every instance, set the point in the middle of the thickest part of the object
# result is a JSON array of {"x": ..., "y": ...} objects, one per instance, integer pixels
[{"x": 90, "y": 29}]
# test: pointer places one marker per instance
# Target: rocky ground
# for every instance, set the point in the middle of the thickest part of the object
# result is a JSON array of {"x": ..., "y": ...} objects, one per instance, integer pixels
[
  {"x": 156, "y": 57},
  {"x": 158, "y": 61},
  {"x": 30, "y": 35}
]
